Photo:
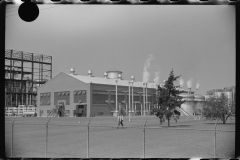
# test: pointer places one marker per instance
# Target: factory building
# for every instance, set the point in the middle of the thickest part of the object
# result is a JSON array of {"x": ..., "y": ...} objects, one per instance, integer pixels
[{"x": 87, "y": 95}]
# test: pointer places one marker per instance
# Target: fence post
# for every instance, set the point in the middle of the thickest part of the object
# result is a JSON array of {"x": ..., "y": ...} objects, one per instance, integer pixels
[
  {"x": 88, "y": 139},
  {"x": 144, "y": 139},
  {"x": 46, "y": 137},
  {"x": 12, "y": 138},
  {"x": 215, "y": 138}
]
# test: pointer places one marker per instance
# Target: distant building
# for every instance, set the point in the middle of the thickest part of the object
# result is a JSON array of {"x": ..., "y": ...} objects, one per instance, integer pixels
[
  {"x": 230, "y": 92},
  {"x": 86, "y": 95}
]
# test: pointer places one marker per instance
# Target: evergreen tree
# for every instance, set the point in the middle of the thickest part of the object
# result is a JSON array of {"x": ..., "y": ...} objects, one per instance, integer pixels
[{"x": 168, "y": 100}]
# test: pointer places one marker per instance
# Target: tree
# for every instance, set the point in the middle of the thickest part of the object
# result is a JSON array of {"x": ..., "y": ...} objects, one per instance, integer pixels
[
  {"x": 218, "y": 108},
  {"x": 168, "y": 100}
]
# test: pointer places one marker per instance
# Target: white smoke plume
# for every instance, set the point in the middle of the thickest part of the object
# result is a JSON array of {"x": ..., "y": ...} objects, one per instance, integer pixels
[
  {"x": 157, "y": 77},
  {"x": 147, "y": 65},
  {"x": 181, "y": 81},
  {"x": 197, "y": 86},
  {"x": 189, "y": 83}
]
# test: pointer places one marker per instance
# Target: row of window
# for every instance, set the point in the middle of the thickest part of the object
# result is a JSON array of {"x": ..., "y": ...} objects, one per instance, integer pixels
[{"x": 65, "y": 93}]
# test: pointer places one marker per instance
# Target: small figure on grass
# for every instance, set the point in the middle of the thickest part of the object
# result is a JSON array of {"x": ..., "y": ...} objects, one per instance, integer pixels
[{"x": 120, "y": 118}]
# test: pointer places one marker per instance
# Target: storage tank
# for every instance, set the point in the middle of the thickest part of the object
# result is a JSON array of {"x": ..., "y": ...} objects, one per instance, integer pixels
[
  {"x": 114, "y": 74},
  {"x": 199, "y": 101},
  {"x": 199, "y": 97},
  {"x": 188, "y": 105}
]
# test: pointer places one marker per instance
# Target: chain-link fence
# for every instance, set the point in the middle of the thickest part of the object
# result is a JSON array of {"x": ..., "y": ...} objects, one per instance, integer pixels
[{"x": 142, "y": 137}]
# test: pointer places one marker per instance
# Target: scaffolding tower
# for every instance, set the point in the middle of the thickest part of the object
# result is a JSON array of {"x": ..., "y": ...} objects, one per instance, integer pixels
[{"x": 24, "y": 73}]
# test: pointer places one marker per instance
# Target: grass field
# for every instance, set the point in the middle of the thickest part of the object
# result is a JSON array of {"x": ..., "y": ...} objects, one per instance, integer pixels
[{"x": 68, "y": 138}]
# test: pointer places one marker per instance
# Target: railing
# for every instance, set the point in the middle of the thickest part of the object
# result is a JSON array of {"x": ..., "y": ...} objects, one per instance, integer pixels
[{"x": 96, "y": 137}]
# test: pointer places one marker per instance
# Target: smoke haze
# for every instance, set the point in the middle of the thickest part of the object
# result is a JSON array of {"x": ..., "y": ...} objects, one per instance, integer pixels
[
  {"x": 146, "y": 74},
  {"x": 181, "y": 81},
  {"x": 157, "y": 77},
  {"x": 189, "y": 83},
  {"x": 197, "y": 86}
]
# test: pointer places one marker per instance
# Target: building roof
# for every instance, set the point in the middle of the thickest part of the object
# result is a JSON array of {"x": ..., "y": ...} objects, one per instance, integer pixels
[{"x": 102, "y": 80}]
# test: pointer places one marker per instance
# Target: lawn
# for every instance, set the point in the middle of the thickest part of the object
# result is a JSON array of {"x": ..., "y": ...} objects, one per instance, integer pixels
[{"x": 67, "y": 137}]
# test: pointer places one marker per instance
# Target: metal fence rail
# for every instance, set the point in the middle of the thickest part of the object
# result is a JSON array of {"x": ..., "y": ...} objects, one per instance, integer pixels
[{"x": 88, "y": 140}]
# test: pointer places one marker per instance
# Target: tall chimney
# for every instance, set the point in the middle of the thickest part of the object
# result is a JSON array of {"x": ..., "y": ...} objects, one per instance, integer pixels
[
  {"x": 72, "y": 70},
  {"x": 105, "y": 75},
  {"x": 90, "y": 73}
]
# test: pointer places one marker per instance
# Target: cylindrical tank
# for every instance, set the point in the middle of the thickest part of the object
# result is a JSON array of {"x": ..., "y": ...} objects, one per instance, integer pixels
[
  {"x": 189, "y": 103},
  {"x": 113, "y": 74},
  {"x": 199, "y": 101},
  {"x": 187, "y": 97},
  {"x": 199, "y": 97}
]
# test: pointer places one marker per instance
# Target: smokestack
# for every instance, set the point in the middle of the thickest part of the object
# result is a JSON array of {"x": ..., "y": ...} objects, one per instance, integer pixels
[
  {"x": 72, "y": 70},
  {"x": 105, "y": 75},
  {"x": 119, "y": 76},
  {"x": 90, "y": 73}
]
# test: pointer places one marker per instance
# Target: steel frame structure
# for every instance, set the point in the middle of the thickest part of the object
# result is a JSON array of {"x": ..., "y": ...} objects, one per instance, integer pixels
[{"x": 24, "y": 72}]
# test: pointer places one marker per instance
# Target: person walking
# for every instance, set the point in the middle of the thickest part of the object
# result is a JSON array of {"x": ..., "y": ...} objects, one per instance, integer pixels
[{"x": 120, "y": 118}]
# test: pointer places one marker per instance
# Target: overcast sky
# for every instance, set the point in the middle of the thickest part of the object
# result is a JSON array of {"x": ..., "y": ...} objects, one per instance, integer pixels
[{"x": 198, "y": 42}]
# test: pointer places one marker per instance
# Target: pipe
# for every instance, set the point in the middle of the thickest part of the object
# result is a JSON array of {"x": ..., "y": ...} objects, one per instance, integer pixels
[
  {"x": 146, "y": 101},
  {"x": 143, "y": 99},
  {"x": 129, "y": 109},
  {"x": 116, "y": 95},
  {"x": 132, "y": 96}
]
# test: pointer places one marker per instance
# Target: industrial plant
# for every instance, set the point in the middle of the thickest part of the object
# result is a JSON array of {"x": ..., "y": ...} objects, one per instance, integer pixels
[
  {"x": 87, "y": 95},
  {"x": 30, "y": 88},
  {"x": 24, "y": 73}
]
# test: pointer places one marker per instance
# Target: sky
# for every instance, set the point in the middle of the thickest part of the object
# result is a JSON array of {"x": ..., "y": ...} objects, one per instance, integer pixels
[{"x": 145, "y": 41}]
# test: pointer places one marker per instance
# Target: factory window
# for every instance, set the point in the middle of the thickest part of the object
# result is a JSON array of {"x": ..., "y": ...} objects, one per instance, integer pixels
[
  {"x": 79, "y": 97},
  {"x": 63, "y": 95},
  {"x": 99, "y": 97},
  {"x": 136, "y": 97},
  {"x": 120, "y": 97},
  {"x": 45, "y": 98}
]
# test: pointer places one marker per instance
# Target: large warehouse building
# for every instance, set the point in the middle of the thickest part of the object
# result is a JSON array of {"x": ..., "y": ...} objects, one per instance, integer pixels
[{"x": 86, "y": 95}]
